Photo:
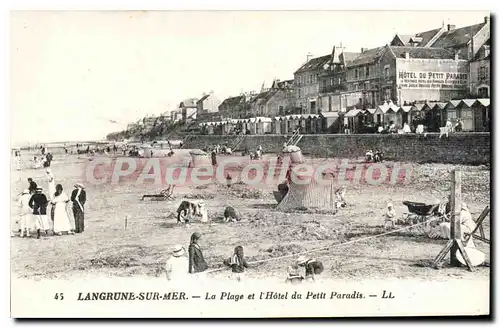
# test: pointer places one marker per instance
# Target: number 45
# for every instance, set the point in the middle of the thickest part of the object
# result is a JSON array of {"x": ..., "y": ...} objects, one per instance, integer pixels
[{"x": 59, "y": 296}]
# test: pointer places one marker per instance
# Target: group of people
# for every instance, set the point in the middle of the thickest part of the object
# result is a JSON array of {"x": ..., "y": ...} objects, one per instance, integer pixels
[
  {"x": 180, "y": 265},
  {"x": 376, "y": 156},
  {"x": 34, "y": 203}
]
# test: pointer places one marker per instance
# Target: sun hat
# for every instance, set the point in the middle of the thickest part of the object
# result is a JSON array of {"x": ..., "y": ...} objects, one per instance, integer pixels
[
  {"x": 389, "y": 205},
  {"x": 302, "y": 259},
  {"x": 25, "y": 191},
  {"x": 79, "y": 185},
  {"x": 178, "y": 250},
  {"x": 39, "y": 189}
]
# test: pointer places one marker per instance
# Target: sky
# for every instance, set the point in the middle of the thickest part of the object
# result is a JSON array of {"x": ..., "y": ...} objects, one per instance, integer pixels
[{"x": 74, "y": 71}]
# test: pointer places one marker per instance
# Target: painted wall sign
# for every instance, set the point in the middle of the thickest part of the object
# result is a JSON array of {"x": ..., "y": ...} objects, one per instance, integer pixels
[{"x": 432, "y": 80}]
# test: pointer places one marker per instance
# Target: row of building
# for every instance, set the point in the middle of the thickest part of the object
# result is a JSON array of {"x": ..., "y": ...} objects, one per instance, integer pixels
[{"x": 411, "y": 71}]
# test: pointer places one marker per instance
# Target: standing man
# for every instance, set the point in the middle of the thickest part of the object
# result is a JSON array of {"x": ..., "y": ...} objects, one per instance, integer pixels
[
  {"x": 38, "y": 202},
  {"x": 79, "y": 197}
]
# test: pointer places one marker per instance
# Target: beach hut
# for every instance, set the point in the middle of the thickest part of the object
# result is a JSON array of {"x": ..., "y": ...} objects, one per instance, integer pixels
[
  {"x": 355, "y": 119},
  {"x": 330, "y": 122}
]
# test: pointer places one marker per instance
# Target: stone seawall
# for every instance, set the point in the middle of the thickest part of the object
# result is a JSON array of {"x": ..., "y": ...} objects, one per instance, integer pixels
[{"x": 459, "y": 148}]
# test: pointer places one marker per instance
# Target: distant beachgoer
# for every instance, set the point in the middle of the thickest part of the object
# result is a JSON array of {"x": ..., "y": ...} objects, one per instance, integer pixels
[
  {"x": 230, "y": 214},
  {"x": 61, "y": 219},
  {"x": 176, "y": 267},
  {"x": 237, "y": 262},
  {"x": 33, "y": 186},
  {"x": 38, "y": 202},
  {"x": 79, "y": 197},
  {"x": 196, "y": 261},
  {"x": 214, "y": 158},
  {"x": 313, "y": 267},
  {"x": 406, "y": 128},
  {"x": 294, "y": 277},
  {"x": 390, "y": 217},
  {"x": 25, "y": 216}
]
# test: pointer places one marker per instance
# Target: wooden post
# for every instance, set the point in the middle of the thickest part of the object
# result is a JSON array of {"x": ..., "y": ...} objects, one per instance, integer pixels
[
  {"x": 455, "y": 243},
  {"x": 456, "y": 206}
]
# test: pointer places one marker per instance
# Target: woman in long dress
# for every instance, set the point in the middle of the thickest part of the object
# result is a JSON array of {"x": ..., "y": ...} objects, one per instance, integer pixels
[{"x": 61, "y": 219}]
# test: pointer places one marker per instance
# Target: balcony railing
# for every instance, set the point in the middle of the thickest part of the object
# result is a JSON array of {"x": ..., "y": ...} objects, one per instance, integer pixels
[{"x": 333, "y": 88}]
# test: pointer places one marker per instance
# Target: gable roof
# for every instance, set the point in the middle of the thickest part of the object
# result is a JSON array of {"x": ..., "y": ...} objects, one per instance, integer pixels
[
  {"x": 367, "y": 57},
  {"x": 313, "y": 64},
  {"x": 425, "y": 53},
  {"x": 402, "y": 38},
  {"x": 457, "y": 37}
]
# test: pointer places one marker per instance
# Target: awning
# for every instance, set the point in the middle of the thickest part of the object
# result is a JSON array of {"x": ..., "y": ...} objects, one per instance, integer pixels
[
  {"x": 372, "y": 110},
  {"x": 484, "y": 102},
  {"x": 452, "y": 104},
  {"x": 330, "y": 114},
  {"x": 438, "y": 106},
  {"x": 264, "y": 119},
  {"x": 467, "y": 103},
  {"x": 418, "y": 107},
  {"x": 293, "y": 117},
  {"x": 406, "y": 109}
]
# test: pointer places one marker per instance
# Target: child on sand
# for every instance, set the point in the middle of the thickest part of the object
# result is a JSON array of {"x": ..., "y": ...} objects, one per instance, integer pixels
[
  {"x": 313, "y": 267},
  {"x": 390, "y": 217},
  {"x": 294, "y": 276},
  {"x": 237, "y": 262}
]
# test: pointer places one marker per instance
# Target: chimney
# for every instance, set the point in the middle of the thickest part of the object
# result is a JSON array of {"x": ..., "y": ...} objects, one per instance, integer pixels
[
  {"x": 363, "y": 50},
  {"x": 407, "y": 55},
  {"x": 451, "y": 27},
  {"x": 486, "y": 19}
]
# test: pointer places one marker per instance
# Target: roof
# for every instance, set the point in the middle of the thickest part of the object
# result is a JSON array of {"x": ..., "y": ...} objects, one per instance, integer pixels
[
  {"x": 453, "y": 103},
  {"x": 329, "y": 114},
  {"x": 203, "y": 98},
  {"x": 349, "y": 56},
  {"x": 421, "y": 38},
  {"x": 457, "y": 37},
  {"x": 367, "y": 57},
  {"x": 314, "y": 64},
  {"x": 405, "y": 38},
  {"x": 190, "y": 102},
  {"x": 427, "y": 36},
  {"x": 264, "y": 96},
  {"x": 425, "y": 53},
  {"x": 233, "y": 101}
]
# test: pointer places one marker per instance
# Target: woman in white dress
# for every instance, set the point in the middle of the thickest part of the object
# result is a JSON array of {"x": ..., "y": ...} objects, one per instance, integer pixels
[
  {"x": 61, "y": 219},
  {"x": 52, "y": 190}
]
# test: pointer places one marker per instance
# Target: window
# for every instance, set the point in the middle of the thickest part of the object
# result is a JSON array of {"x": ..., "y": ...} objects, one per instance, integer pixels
[
  {"x": 386, "y": 71},
  {"x": 452, "y": 115},
  {"x": 387, "y": 94},
  {"x": 298, "y": 90},
  {"x": 356, "y": 87},
  {"x": 356, "y": 73},
  {"x": 367, "y": 71},
  {"x": 482, "y": 73},
  {"x": 367, "y": 85},
  {"x": 483, "y": 93}
]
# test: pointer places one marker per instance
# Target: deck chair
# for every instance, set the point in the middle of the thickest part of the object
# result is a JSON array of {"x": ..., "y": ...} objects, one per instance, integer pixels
[
  {"x": 164, "y": 194},
  {"x": 444, "y": 131}
]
